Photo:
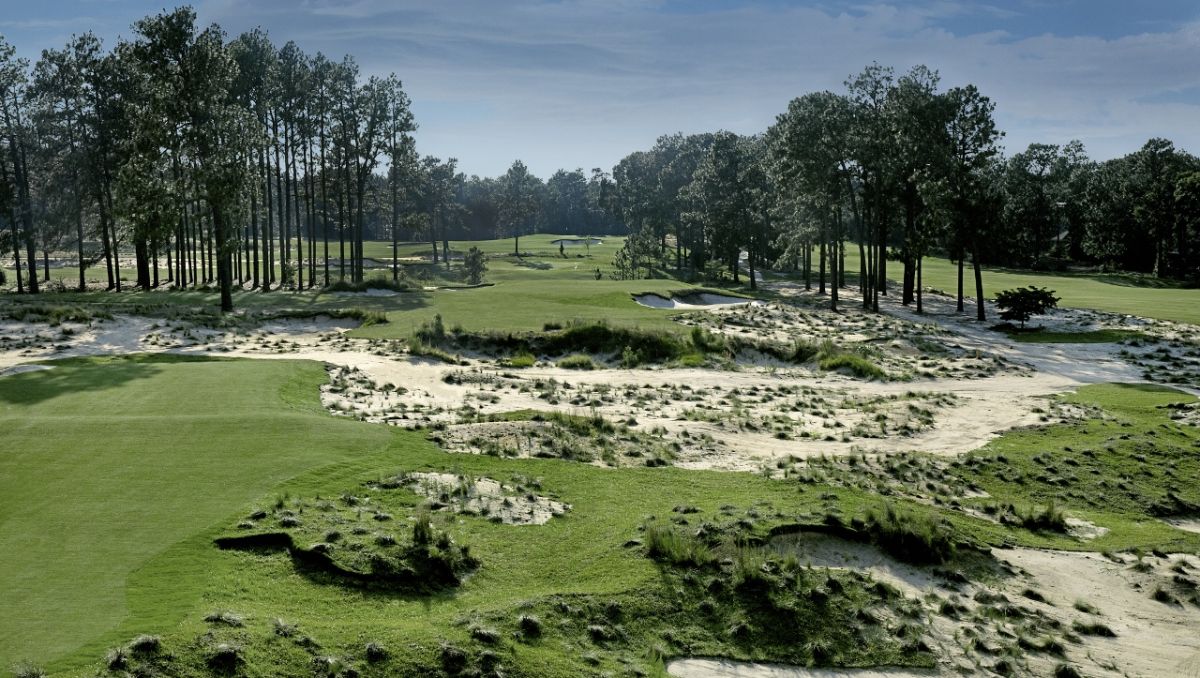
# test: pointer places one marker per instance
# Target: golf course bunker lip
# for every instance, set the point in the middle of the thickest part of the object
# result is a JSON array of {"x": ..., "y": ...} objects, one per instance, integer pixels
[
  {"x": 22, "y": 369},
  {"x": 576, "y": 242},
  {"x": 693, "y": 301},
  {"x": 726, "y": 668}
]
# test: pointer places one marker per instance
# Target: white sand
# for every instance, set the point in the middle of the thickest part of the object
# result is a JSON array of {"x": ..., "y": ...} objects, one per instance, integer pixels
[
  {"x": 21, "y": 369},
  {"x": 693, "y": 302}
]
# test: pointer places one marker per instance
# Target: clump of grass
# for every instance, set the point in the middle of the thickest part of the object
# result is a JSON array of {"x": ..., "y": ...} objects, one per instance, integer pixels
[
  {"x": 530, "y": 625},
  {"x": 375, "y": 652},
  {"x": 577, "y": 361},
  {"x": 854, "y": 364},
  {"x": 521, "y": 360},
  {"x": 145, "y": 645},
  {"x": 910, "y": 536},
  {"x": 224, "y": 618},
  {"x": 225, "y": 658},
  {"x": 1092, "y": 628},
  {"x": 1066, "y": 671},
  {"x": 116, "y": 659},
  {"x": 667, "y": 544},
  {"x": 26, "y": 670},
  {"x": 1049, "y": 518}
]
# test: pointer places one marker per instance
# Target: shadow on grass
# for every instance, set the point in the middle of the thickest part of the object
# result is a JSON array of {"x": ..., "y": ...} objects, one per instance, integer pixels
[{"x": 74, "y": 375}]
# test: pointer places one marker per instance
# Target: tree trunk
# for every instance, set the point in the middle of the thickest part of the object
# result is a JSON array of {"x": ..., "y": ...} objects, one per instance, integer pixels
[
  {"x": 141, "y": 251},
  {"x": 961, "y": 255},
  {"x": 821, "y": 276},
  {"x": 920, "y": 295},
  {"x": 224, "y": 274},
  {"x": 980, "y": 312}
]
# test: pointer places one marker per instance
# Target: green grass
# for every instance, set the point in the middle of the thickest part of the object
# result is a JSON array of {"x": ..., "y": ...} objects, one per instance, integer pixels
[
  {"x": 1107, "y": 336},
  {"x": 110, "y": 464},
  {"x": 526, "y": 292},
  {"x": 1124, "y": 471},
  {"x": 1116, "y": 293},
  {"x": 118, "y": 474}
]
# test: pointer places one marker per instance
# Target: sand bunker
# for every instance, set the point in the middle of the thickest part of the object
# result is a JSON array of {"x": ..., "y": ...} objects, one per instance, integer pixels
[
  {"x": 370, "y": 292},
  {"x": 576, "y": 242},
  {"x": 19, "y": 369},
  {"x": 724, "y": 668},
  {"x": 485, "y": 497},
  {"x": 693, "y": 301}
]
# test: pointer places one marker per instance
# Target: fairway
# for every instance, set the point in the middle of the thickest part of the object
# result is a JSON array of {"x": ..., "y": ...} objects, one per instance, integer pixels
[
  {"x": 109, "y": 463},
  {"x": 1116, "y": 293}
]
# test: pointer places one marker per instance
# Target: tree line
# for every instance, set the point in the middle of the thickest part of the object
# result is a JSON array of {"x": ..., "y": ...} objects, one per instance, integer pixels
[
  {"x": 900, "y": 168},
  {"x": 238, "y": 164}
]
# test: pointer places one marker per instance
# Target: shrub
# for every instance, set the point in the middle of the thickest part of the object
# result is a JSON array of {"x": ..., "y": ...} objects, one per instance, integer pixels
[
  {"x": 432, "y": 333},
  {"x": 577, "y": 361},
  {"x": 1022, "y": 303},
  {"x": 474, "y": 265}
]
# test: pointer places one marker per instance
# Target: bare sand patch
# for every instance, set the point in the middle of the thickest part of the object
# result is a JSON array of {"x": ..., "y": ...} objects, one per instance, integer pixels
[
  {"x": 21, "y": 369},
  {"x": 464, "y": 494},
  {"x": 690, "y": 302}
]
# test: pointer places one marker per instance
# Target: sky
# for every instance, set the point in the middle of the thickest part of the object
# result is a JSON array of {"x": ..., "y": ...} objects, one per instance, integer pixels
[{"x": 582, "y": 83}]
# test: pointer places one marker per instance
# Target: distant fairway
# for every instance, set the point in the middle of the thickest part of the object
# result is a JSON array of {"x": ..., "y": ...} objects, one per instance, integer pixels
[
  {"x": 1132, "y": 295},
  {"x": 108, "y": 464}
]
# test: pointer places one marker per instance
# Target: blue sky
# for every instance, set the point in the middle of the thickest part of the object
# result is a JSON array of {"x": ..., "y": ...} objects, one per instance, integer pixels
[{"x": 581, "y": 83}]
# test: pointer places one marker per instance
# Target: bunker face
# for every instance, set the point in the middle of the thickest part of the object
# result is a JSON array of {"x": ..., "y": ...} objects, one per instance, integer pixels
[
  {"x": 693, "y": 301},
  {"x": 576, "y": 242}
]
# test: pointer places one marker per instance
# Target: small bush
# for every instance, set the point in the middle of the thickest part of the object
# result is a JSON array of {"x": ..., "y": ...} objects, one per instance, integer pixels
[
  {"x": 475, "y": 265},
  {"x": 577, "y": 361}
]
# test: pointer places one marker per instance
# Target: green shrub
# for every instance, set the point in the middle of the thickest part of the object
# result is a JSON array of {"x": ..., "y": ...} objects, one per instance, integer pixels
[{"x": 577, "y": 361}]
